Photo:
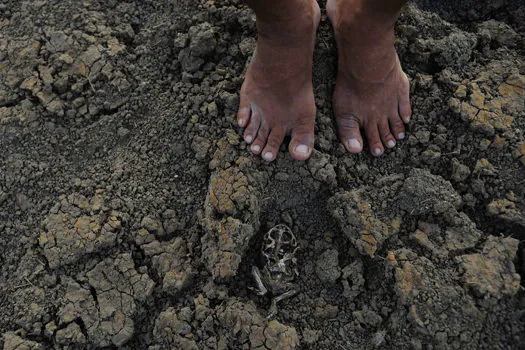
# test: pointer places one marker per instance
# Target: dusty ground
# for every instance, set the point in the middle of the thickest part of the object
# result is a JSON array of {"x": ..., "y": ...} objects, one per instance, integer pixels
[{"x": 131, "y": 210}]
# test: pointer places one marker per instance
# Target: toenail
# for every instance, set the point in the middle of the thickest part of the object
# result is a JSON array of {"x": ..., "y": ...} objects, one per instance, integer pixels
[
  {"x": 256, "y": 148},
  {"x": 401, "y": 135},
  {"x": 407, "y": 118},
  {"x": 268, "y": 156},
  {"x": 303, "y": 149},
  {"x": 377, "y": 151},
  {"x": 354, "y": 144},
  {"x": 241, "y": 122},
  {"x": 249, "y": 139},
  {"x": 390, "y": 144}
]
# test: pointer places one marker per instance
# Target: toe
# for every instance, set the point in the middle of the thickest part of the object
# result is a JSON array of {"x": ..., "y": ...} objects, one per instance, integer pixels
[
  {"x": 262, "y": 137},
  {"x": 389, "y": 141},
  {"x": 275, "y": 140},
  {"x": 374, "y": 141},
  {"x": 302, "y": 142},
  {"x": 405, "y": 110},
  {"x": 349, "y": 134},
  {"x": 397, "y": 126},
  {"x": 253, "y": 126},
  {"x": 243, "y": 114}
]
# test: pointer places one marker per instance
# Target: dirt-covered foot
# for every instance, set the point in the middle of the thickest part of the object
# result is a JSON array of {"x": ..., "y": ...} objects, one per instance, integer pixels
[
  {"x": 372, "y": 91},
  {"x": 277, "y": 95}
]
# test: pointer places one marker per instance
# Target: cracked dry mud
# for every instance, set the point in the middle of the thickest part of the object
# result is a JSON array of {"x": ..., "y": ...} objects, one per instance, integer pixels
[{"x": 131, "y": 211}]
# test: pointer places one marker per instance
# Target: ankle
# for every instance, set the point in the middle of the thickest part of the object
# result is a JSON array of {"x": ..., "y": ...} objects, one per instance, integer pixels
[
  {"x": 361, "y": 20},
  {"x": 290, "y": 25}
]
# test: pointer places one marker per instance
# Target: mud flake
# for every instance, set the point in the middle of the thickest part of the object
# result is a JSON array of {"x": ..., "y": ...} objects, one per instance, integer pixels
[
  {"x": 118, "y": 288},
  {"x": 321, "y": 168},
  {"x": 477, "y": 99},
  {"x": 67, "y": 237},
  {"x": 407, "y": 280},
  {"x": 169, "y": 261},
  {"x": 353, "y": 279},
  {"x": 506, "y": 210},
  {"x": 435, "y": 303},
  {"x": 327, "y": 266},
  {"x": 359, "y": 222},
  {"x": 152, "y": 225},
  {"x": 484, "y": 167},
  {"x": 499, "y": 120},
  {"x": 200, "y": 146},
  {"x": 14, "y": 342},
  {"x": 224, "y": 245},
  {"x": 115, "y": 47},
  {"x": 31, "y": 84},
  {"x": 424, "y": 193},
  {"x": 71, "y": 335},
  {"x": 500, "y": 33},
  {"x": 244, "y": 324},
  {"x": 510, "y": 91},
  {"x": 59, "y": 42},
  {"x": 461, "y": 234},
  {"x": 489, "y": 107},
  {"x": 492, "y": 272},
  {"x": 171, "y": 328},
  {"x": 460, "y": 172},
  {"x": 230, "y": 191}
]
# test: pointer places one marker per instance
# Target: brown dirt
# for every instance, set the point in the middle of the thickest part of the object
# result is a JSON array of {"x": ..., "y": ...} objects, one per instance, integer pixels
[{"x": 131, "y": 210}]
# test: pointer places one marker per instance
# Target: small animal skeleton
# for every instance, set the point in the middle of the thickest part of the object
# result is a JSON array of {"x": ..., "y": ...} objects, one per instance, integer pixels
[{"x": 280, "y": 268}]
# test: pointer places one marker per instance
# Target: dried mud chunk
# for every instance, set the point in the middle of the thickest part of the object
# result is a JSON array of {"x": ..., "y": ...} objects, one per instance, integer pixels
[
  {"x": 59, "y": 42},
  {"x": 321, "y": 169},
  {"x": 248, "y": 326},
  {"x": 453, "y": 50},
  {"x": 68, "y": 238},
  {"x": 202, "y": 40},
  {"x": 202, "y": 43},
  {"x": 353, "y": 279},
  {"x": 327, "y": 266},
  {"x": 14, "y": 342},
  {"x": 152, "y": 225},
  {"x": 169, "y": 260},
  {"x": 224, "y": 246},
  {"x": 359, "y": 222},
  {"x": 200, "y": 146},
  {"x": 171, "y": 329},
  {"x": 500, "y": 33},
  {"x": 118, "y": 287},
  {"x": 231, "y": 209},
  {"x": 424, "y": 193},
  {"x": 506, "y": 210},
  {"x": 71, "y": 335},
  {"x": 484, "y": 167},
  {"x": 434, "y": 302},
  {"x": 228, "y": 192},
  {"x": 461, "y": 234},
  {"x": 492, "y": 272},
  {"x": 489, "y": 107},
  {"x": 460, "y": 172}
]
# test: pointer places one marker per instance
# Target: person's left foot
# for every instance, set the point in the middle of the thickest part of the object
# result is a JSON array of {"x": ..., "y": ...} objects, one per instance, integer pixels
[{"x": 372, "y": 91}]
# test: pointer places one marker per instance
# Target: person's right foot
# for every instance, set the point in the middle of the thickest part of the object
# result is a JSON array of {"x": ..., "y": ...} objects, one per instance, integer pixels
[
  {"x": 372, "y": 91},
  {"x": 277, "y": 97}
]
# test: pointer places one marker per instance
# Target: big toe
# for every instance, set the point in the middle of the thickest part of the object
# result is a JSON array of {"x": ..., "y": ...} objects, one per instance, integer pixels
[{"x": 302, "y": 143}]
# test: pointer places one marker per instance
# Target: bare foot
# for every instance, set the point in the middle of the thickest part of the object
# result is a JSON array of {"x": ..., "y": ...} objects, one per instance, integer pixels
[
  {"x": 277, "y": 95},
  {"x": 372, "y": 91}
]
